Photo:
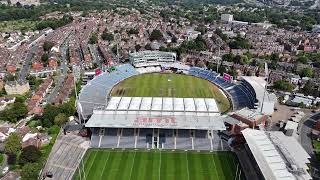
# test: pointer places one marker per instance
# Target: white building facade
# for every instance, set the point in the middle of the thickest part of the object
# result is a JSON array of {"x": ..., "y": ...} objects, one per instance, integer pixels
[{"x": 151, "y": 58}]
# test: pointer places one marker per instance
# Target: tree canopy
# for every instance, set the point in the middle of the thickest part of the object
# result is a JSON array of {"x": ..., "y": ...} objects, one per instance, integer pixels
[
  {"x": 239, "y": 43},
  {"x": 47, "y": 45},
  {"x": 107, "y": 36},
  {"x": 54, "y": 23},
  {"x": 45, "y": 58},
  {"x": 93, "y": 38},
  {"x": 17, "y": 111},
  {"x": 30, "y": 171},
  {"x": 283, "y": 85},
  {"x": 306, "y": 72},
  {"x": 12, "y": 145},
  {"x": 133, "y": 31},
  {"x": 198, "y": 44},
  {"x": 60, "y": 119},
  {"x": 156, "y": 35},
  {"x": 30, "y": 154}
]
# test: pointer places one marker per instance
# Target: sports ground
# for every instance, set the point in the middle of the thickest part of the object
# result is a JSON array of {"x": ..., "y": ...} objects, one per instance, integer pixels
[
  {"x": 170, "y": 85},
  {"x": 158, "y": 165}
]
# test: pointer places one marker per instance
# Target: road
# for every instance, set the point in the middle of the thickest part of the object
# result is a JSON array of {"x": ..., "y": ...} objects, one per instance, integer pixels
[
  {"x": 305, "y": 138},
  {"x": 26, "y": 65},
  {"x": 95, "y": 55},
  {"x": 64, "y": 70}
]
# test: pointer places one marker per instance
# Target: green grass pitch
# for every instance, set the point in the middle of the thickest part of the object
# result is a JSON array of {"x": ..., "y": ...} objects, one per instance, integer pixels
[
  {"x": 157, "y": 165},
  {"x": 170, "y": 85}
]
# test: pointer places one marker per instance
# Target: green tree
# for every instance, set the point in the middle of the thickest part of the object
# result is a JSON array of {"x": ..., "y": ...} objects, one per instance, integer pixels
[
  {"x": 241, "y": 59},
  {"x": 45, "y": 58},
  {"x": 93, "y": 38},
  {"x": 107, "y": 36},
  {"x": 147, "y": 47},
  {"x": 12, "y": 145},
  {"x": 30, "y": 171},
  {"x": 49, "y": 113},
  {"x": 283, "y": 85},
  {"x": 133, "y": 31},
  {"x": 156, "y": 35},
  {"x": 47, "y": 45},
  {"x": 20, "y": 110},
  {"x": 302, "y": 59},
  {"x": 221, "y": 35},
  {"x": 239, "y": 43},
  {"x": 9, "y": 77},
  {"x": 30, "y": 154},
  {"x": 307, "y": 89},
  {"x": 137, "y": 47},
  {"x": 2, "y": 92},
  {"x": 306, "y": 72},
  {"x": 17, "y": 111},
  {"x": 60, "y": 119},
  {"x": 228, "y": 57}
]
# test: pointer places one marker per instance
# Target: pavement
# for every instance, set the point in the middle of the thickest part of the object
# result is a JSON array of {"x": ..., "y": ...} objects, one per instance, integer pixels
[{"x": 305, "y": 128}]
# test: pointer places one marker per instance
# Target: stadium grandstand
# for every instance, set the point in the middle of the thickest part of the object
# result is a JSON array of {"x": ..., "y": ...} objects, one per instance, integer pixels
[
  {"x": 65, "y": 156},
  {"x": 151, "y": 58},
  {"x": 165, "y": 123},
  {"x": 158, "y": 122},
  {"x": 95, "y": 92},
  {"x": 256, "y": 86}
]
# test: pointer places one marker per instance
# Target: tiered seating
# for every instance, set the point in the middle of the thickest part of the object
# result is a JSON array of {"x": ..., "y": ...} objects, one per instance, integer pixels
[
  {"x": 95, "y": 140},
  {"x": 96, "y": 91},
  {"x": 110, "y": 138},
  {"x": 201, "y": 140},
  {"x": 216, "y": 141},
  {"x": 142, "y": 139},
  {"x": 183, "y": 139},
  {"x": 167, "y": 138},
  {"x": 242, "y": 95},
  {"x": 127, "y": 138},
  {"x": 65, "y": 155},
  {"x": 149, "y": 69}
]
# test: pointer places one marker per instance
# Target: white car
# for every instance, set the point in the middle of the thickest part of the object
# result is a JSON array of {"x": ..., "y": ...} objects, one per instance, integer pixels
[{"x": 5, "y": 170}]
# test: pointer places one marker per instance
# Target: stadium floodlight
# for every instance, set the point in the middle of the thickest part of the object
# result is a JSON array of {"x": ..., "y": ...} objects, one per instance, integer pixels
[
  {"x": 265, "y": 88},
  {"x": 219, "y": 58}
]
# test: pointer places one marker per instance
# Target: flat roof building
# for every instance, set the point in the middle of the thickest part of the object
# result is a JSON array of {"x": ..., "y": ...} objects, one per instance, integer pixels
[
  {"x": 227, "y": 17},
  {"x": 279, "y": 157}
]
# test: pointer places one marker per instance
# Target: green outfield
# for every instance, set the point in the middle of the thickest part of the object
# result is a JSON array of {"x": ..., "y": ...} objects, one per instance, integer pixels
[
  {"x": 170, "y": 85},
  {"x": 158, "y": 165}
]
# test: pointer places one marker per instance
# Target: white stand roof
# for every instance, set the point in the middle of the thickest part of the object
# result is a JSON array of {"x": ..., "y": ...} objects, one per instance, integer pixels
[{"x": 279, "y": 157}]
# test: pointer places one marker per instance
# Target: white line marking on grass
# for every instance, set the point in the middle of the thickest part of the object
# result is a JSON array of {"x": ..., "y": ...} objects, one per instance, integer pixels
[
  {"x": 105, "y": 165},
  {"x": 160, "y": 167},
  {"x": 134, "y": 156},
  {"x": 94, "y": 157},
  {"x": 187, "y": 165},
  {"x": 215, "y": 167}
]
